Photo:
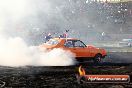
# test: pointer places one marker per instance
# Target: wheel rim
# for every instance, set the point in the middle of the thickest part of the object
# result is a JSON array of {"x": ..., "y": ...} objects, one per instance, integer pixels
[{"x": 99, "y": 59}]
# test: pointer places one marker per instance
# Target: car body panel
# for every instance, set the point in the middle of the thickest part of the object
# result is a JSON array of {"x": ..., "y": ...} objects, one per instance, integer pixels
[{"x": 78, "y": 47}]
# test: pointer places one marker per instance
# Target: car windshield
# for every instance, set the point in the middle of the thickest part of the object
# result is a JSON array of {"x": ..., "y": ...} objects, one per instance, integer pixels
[{"x": 52, "y": 42}]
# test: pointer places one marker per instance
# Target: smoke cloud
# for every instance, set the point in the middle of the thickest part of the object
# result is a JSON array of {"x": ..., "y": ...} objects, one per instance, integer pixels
[
  {"x": 15, "y": 52},
  {"x": 24, "y": 23},
  {"x": 20, "y": 22},
  {"x": 33, "y": 19}
]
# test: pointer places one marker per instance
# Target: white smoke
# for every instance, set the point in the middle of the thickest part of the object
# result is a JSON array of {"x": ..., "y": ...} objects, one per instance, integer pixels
[{"x": 13, "y": 50}]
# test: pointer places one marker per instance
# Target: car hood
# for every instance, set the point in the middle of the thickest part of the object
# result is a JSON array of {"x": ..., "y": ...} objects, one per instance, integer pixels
[{"x": 47, "y": 46}]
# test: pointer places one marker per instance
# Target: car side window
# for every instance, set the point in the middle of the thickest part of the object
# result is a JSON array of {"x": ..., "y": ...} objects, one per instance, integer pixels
[
  {"x": 79, "y": 44},
  {"x": 68, "y": 44}
]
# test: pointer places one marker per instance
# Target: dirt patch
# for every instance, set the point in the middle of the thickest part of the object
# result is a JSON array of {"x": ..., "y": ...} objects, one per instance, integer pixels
[{"x": 57, "y": 77}]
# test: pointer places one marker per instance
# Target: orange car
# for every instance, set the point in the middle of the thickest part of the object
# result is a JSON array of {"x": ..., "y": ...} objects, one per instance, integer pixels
[{"x": 76, "y": 46}]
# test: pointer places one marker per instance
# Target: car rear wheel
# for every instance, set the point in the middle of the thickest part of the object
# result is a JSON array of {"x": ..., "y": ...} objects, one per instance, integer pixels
[
  {"x": 97, "y": 58},
  {"x": 80, "y": 60}
]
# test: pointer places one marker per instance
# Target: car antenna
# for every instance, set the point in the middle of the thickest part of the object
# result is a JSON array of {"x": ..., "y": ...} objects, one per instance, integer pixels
[{"x": 66, "y": 34}]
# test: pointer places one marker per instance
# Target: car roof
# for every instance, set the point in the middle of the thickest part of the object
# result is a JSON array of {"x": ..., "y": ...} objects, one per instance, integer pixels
[{"x": 65, "y": 39}]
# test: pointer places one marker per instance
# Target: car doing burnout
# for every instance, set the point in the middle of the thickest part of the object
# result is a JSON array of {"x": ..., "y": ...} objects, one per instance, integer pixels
[{"x": 76, "y": 46}]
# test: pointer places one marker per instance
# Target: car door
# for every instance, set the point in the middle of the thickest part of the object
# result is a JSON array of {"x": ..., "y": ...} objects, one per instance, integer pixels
[
  {"x": 80, "y": 49},
  {"x": 68, "y": 45},
  {"x": 77, "y": 47}
]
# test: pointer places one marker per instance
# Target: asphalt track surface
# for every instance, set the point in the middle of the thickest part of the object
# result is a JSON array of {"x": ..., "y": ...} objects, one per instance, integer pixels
[{"x": 65, "y": 76}]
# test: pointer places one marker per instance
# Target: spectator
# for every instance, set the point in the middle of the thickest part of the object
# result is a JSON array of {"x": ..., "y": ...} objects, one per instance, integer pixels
[
  {"x": 103, "y": 35},
  {"x": 64, "y": 35},
  {"x": 61, "y": 36},
  {"x": 48, "y": 37}
]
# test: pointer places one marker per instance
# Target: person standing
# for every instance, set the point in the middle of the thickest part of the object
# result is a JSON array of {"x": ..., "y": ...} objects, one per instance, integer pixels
[{"x": 48, "y": 37}]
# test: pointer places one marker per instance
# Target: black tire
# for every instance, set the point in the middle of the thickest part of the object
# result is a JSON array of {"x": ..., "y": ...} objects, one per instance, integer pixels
[{"x": 97, "y": 58}]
